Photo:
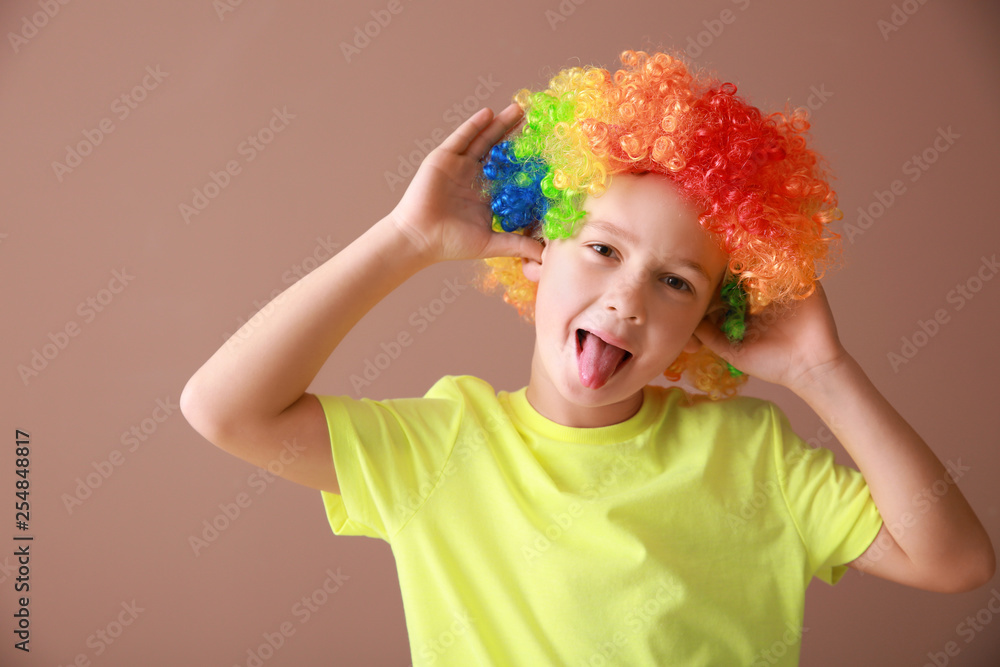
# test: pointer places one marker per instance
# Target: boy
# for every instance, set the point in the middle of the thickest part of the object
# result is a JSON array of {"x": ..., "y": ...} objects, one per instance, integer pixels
[{"x": 593, "y": 518}]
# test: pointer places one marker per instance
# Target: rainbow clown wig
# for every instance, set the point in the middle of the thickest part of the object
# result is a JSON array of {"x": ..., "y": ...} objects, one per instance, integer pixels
[{"x": 761, "y": 193}]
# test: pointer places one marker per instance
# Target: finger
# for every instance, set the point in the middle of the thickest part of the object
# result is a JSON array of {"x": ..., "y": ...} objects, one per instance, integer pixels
[
  {"x": 710, "y": 335},
  {"x": 495, "y": 131},
  {"x": 458, "y": 141},
  {"x": 506, "y": 244}
]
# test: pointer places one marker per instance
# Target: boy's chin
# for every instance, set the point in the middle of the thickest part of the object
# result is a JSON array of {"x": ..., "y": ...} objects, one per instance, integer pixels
[{"x": 609, "y": 394}]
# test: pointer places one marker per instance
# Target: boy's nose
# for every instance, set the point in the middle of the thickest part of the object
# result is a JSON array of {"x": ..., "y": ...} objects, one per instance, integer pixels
[{"x": 625, "y": 299}]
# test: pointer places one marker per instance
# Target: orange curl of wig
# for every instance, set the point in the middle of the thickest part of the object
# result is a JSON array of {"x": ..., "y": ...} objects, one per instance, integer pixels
[{"x": 762, "y": 193}]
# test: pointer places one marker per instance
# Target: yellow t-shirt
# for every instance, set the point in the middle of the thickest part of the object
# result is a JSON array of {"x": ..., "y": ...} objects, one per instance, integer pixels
[{"x": 686, "y": 535}]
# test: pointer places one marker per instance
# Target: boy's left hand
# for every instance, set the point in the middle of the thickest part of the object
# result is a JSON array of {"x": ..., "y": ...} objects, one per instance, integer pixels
[{"x": 791, "y": 346}]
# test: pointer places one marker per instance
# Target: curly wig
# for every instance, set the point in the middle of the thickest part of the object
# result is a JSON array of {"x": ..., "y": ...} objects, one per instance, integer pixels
[{"x": 762, "y": 194}]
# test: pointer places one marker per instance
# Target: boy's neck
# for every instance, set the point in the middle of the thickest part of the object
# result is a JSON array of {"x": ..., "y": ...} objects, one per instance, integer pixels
[{"x": 547, "y": 401}]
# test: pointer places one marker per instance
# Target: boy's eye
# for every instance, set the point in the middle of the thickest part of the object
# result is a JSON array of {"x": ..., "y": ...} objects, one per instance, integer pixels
[
  {"x": 672, "y": 281},
  {"x": 677, "y": 283},
  {"x": 602, "y": 249}
]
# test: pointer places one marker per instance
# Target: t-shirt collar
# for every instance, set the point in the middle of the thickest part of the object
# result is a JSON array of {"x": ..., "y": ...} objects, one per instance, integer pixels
[{"x": 522, "y": 411}]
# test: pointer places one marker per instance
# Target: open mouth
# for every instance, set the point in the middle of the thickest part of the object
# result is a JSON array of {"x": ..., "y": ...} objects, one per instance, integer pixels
[{"x": 597, "y": 360}]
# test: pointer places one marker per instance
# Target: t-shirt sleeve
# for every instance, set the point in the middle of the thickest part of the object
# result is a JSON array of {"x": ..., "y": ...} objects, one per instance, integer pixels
[
  {"x": 829, "y": 503},
  {"x": 388, "y": 456}
]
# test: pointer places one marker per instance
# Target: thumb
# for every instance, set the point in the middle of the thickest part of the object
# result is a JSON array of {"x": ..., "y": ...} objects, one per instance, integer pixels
[{"x": 711, "y": 336}]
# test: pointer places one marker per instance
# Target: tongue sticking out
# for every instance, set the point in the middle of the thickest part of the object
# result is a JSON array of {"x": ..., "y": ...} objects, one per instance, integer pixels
[{"x": 597, "y": 360}]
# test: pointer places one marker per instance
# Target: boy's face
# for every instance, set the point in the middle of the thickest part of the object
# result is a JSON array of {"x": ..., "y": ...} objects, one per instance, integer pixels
[{"x": 619, "y": 301}]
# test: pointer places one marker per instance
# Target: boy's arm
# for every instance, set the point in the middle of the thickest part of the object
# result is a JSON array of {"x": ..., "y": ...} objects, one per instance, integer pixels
[
  {"x": 930, "y": 538},
  {"x": 250, "y": 397}
]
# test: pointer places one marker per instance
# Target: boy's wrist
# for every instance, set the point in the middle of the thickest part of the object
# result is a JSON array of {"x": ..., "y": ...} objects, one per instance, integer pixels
[
  {"x": 398, "y": 249},
  {"x": 824, "y": 381}
]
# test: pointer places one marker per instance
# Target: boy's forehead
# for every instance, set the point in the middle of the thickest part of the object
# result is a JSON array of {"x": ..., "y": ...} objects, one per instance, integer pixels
[
  {"x": 638, "y": 209},
  {"x": 642, "y": 196}
]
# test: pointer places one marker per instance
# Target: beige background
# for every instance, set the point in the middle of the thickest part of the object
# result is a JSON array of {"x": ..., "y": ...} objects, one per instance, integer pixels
[{"x": 878, "y": 100}]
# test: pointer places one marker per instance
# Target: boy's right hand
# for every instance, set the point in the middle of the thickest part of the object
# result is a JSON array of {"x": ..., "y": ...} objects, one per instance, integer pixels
[{"x": 442, "y": 213}]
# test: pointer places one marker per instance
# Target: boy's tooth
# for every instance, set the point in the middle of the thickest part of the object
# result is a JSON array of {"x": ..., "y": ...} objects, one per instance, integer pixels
[{"x": 597, "y": 361}]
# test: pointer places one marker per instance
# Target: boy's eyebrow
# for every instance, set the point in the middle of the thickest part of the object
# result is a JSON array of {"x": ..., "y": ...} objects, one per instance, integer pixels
[
  {"x": 612, "y": 228},
  {"x": 631, "y": 239}
]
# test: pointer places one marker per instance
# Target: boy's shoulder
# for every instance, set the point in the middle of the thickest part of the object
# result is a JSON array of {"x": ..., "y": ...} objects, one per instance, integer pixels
[
  {"x": 466, "y": 393},
  {"x": 678, "y": 397},
  {"x": 735, "y": 418},
  {"x": 450, "y": 386}
]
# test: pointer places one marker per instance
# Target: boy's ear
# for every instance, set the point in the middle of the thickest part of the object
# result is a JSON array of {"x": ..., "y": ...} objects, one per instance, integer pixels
[
  {"x": 532, "y": 269},
  {"x": 692, "y": 345},
  {"x": 716, "y": 308}
]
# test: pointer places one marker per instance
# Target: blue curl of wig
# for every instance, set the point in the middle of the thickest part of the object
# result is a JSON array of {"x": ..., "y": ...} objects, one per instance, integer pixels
[{"x": 519, "y": 202}]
